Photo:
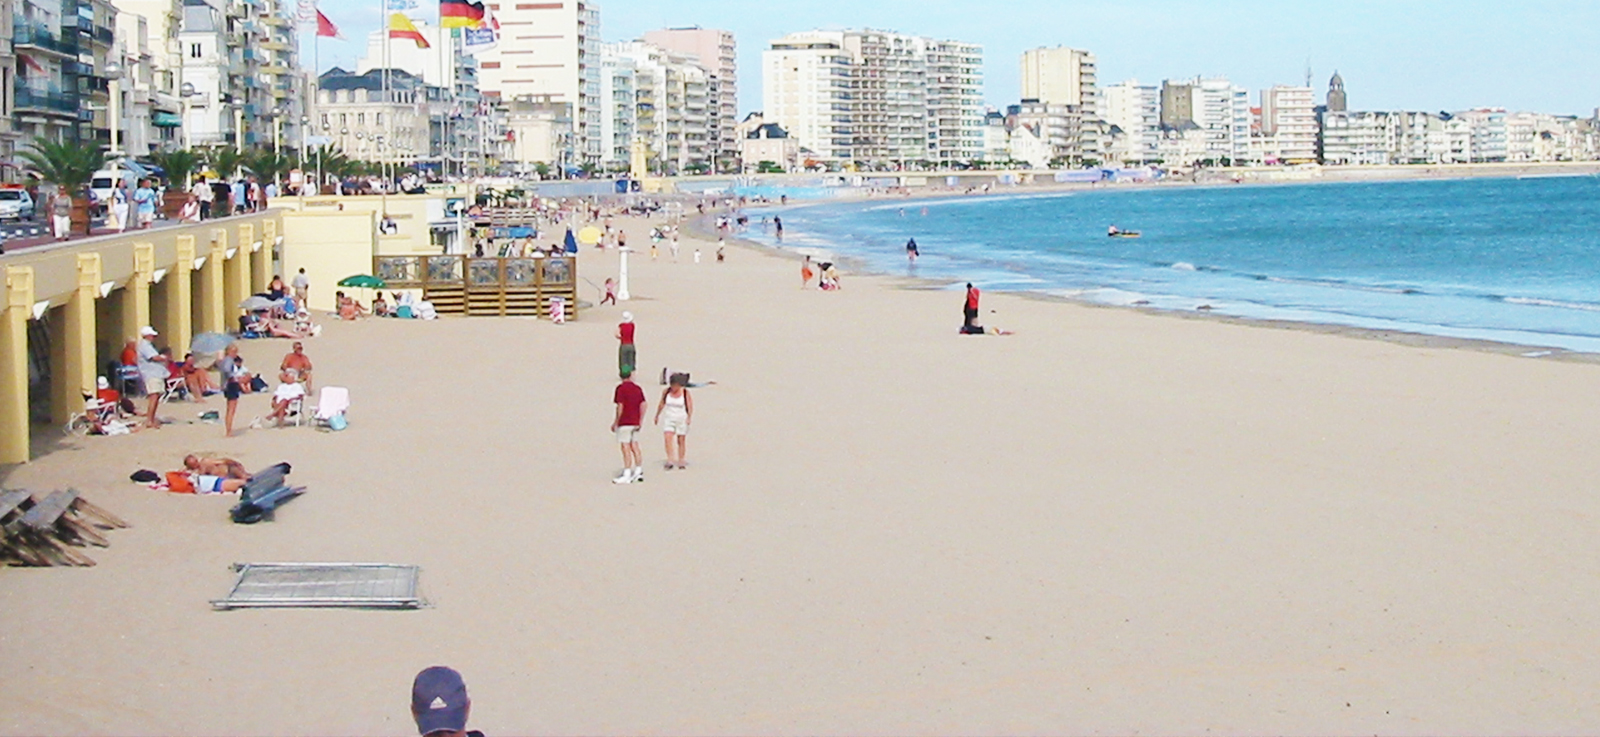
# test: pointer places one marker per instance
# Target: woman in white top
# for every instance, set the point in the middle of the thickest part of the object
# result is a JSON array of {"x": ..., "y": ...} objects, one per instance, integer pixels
[{"x": 678, "y": 407}]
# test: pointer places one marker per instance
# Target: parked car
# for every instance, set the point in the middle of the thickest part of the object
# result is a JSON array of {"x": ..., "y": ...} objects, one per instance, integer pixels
[{"x": 15, "y": 204}]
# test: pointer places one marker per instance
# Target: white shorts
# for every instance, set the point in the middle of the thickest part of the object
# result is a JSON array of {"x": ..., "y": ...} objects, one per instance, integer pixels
[
  {"x": 627, "y": 434},
  {"x": 675, "y": 425},
  {"x": 63, "y": 225}
]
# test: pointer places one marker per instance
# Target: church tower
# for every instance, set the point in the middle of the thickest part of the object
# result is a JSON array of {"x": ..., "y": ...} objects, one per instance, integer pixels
[{"x": 1336, "y": 99}]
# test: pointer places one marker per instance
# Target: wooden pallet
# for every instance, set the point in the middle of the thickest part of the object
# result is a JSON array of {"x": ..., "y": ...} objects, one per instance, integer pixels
[{"x": 49, "y": 531}]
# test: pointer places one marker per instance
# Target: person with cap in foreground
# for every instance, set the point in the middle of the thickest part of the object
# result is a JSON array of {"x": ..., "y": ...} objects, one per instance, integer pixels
[
  {"x": 439, "y": 703},
  {"x": 627, "y": 356}
]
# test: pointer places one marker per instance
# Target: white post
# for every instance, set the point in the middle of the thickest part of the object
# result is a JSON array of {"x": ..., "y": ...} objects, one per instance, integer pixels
[{"x": 622, "y": 275}]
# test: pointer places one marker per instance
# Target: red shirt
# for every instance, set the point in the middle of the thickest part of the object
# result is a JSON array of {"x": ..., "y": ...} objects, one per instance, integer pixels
[
  {"x": 972, "y": 298},
  {"x": 631, "y": 397},
  {"x": 626, "y": 331}
]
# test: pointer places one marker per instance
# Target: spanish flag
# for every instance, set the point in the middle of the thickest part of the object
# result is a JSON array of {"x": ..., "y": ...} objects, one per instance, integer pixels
[
  {"x": 460, "y": 13},
  {"x": 400, "y": 27}
]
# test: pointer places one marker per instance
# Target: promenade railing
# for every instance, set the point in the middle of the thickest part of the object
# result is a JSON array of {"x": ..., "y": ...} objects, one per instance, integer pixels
[{"x": 486, "y": 286}]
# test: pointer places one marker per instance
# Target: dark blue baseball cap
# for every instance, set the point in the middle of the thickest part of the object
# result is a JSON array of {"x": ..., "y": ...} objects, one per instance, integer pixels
[{"x": 439, "y": 701}]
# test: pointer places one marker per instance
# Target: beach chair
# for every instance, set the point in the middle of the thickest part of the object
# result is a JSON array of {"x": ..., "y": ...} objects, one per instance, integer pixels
[
  {"x": 332, "y": 401},
  {"x": 264, "y": 493},
  {"x": 95, "y": 415},
  {"x": 297, "y": 411},
  {"x": 174, "y": 388}
]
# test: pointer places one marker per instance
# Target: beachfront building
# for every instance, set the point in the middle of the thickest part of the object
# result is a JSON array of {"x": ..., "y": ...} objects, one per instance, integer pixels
[
  {"x": 874, "y": 99},
  {"x": 1288, "y": 125},
  {"x": 382, "y": 115},
  {"x": 239, "y": 71},
  {"x": 147, "y": 47},
  {"x": 766, "y": 147},
  {"x": 1062, "y": 76},
  {"x": 1403, "y": 137},
  {"x": 716, "y": 52},
  {"x": 1132, "y": 112},
  {"x": 1051, "y": 136},
  {"x": 996, "y": 138},
  {"x": 1212, "y": 112},
  {"x": 46, "y": 93},
  {"x": 457, "y": 131},
  {"x": 549, "y": 54},
  {"x": 662, "y": 98},
  {"x": 1336, "y": 101}
]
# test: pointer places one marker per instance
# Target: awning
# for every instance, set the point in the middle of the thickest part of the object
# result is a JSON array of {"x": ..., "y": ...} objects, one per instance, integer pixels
[{"x": 166, "y": 120}]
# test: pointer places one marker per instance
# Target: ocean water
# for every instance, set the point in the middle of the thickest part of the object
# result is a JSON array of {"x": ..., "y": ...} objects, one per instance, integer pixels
[{"x": 1513, "y": 260}]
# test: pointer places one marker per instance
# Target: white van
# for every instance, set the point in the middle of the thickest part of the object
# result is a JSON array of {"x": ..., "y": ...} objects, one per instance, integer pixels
[{"x": 105, "y": 180}]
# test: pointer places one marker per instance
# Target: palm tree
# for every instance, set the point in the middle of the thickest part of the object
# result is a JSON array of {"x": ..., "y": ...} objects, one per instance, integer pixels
[
  {"x": 226, "y": 160},
  {"x": 270, "y": 165},
  {"x": 68, "y": 165},
  {"x": 178, "y": 165}
]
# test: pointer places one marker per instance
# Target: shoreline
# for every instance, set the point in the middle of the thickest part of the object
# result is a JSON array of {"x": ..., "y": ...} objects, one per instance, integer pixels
[{"x": 1416, "y": 338}]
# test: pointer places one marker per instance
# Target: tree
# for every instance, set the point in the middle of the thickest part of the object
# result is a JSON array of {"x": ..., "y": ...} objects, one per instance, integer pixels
[
  {"x": 226, "y": 160},
  {"x": 269, "y": 165},
  {"x": 178, "y": 164},
  {"x": 769, "y": 167},
  {"x": 68, "y": 165}
]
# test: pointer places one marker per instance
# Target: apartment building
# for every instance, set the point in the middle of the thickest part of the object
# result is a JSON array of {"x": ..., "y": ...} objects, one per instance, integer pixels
[
  {"x": 9, "y": 133},
  {"x": 1289, "y": 125},
  {"x": 148, "y": 50},
  {"x": 1205, "y": 119},
  {"x": 716, "y": 52},
  {"x": 1133, "y": 112},
  {"x": 240, "y": 79},
  {"x": 382, "y": 115},
  {"x": 1062, "y": 76},
  {"x": 52, "y": 87},
  {"x": 549, "y": 54},
  {"x": 864, "y": 98},
  {"x": 457, "y": 131},
  {"x": 663, "y": 98}
]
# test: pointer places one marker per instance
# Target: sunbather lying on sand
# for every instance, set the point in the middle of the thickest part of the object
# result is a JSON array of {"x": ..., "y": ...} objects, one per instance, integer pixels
[{"x": 224, "y": 467}]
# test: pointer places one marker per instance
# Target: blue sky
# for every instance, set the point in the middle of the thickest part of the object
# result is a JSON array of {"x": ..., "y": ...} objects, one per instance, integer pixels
[{"x": 1536, "y": 55}]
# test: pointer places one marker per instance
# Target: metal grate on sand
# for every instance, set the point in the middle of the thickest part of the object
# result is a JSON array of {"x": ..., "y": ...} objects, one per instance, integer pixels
[{"x": 353, "y": 585}]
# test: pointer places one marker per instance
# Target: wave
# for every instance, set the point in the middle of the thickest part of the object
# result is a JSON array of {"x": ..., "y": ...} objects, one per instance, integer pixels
[{"x": 1540, "y": 302}]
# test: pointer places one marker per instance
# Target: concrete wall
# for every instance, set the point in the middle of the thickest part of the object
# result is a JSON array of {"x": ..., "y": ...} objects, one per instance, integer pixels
[{"x": 330, "y": 245}]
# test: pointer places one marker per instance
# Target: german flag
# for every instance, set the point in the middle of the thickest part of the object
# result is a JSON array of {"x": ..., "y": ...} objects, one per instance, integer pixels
[
  {"x": 400, "y": 27},
  {"x": 460, "y": 13}
]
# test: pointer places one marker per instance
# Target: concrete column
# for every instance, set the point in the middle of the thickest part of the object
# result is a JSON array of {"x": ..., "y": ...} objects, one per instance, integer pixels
[
  {"x": 14, "y": 317},
  {"x": 236, "y": 273},
  {"x": 261, "y": 259},
  {"x": 176, "y": 321},
  {"x": 73, "y": 374},
  {"x": 135, "y": 308},
  {"x": 213, "y": 317}
]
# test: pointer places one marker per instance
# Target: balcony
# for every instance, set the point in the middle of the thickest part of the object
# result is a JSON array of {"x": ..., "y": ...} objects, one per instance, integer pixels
[
  {"x": 52, "y": 102},
  {"x": 29, "y": 36}
]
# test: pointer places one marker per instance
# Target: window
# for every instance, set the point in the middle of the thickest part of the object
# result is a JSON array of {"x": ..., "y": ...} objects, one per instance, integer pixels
[
  {"x": 343, "y": 119},
  {"x": 324, "y": 120},
  {"x": 194, "y": 51},
  {"x": 378, "y": 118},
  {"x": 361, "y": 118}
]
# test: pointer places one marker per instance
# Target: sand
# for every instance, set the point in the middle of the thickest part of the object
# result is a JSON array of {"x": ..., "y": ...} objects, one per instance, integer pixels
[{"x": 1111, "y": 522}]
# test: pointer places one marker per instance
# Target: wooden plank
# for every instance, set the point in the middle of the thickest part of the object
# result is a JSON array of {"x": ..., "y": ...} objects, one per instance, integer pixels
[
  {"x": 96, "y": 512},
  {"x": 44, "y": 515},
  {"x": 10, "y": 500},
  {"x": 84, "y": 532}
]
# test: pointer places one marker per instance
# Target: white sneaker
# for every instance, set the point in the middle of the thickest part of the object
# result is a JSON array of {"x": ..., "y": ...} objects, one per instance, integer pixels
[
  {"x": 638, "y": 477},
  {"x": 625, "y": 478}
]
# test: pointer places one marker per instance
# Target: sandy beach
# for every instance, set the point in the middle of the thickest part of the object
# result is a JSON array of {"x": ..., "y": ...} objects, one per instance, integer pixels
[{"x": 1110, "y": 522}]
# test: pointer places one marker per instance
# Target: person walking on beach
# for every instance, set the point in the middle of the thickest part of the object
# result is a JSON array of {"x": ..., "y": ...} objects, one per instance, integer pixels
[
  {"x": 673, "y": 244},
  {"x": 627, "y": 355},
  {"x": 678, "y": 407},
  {"x": 630, "y": 402},
  {"x": 969, "y": 308},
  {"x": 911, "y": 251},
  {"x": 777, "y": 224},
  {"x": 611, "y": 292},
  {"x": 302, "y": 287},
  {"x": 439, "y": 703},
  {"x": 806, "y": 273},
  {"x": 235, "y": 377}
]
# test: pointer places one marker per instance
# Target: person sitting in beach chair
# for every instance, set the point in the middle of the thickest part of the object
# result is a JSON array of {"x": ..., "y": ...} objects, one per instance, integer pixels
[
  {"x": 288, "y": 399},
  {"x": 380, "y": 308},
  {"x": 349, "y": 309}
]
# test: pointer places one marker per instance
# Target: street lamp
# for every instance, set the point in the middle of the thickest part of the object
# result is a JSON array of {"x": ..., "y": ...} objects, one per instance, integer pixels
[
  {"x": 305, "y": 122},
  {"x": 188, "y": 93},
  {"x": 113, "y": 73}
]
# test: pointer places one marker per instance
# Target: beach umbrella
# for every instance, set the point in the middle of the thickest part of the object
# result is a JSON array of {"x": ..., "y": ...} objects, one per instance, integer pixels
[
  {"x": 364, "y": 281},
  {"x": 571, "y": 242},
  {"x": 210, "y": 343},
  {"x": 589, "y": 236},
  {"x": 258, "y": 302}
]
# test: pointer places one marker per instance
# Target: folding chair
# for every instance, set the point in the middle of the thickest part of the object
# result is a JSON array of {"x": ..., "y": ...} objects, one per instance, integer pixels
[
  {"x": 95, "y": 414},
  {"x": 331, "y": 402},
  {"x": 174, "y": 387},
  {"x": 297, "y": 411}
]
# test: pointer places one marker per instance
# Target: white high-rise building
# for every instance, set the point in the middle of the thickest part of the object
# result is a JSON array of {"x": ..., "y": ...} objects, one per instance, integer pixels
[
  {"x": 1205, "y": 119},
  {"x": 1135, "y": 111},
  {"x": 717, "y": 53},
  {"x": 1061, "y": 76},
  {"x": 873, "y": 97},
  {"x": 662, "y": 98},
  {"x": 1289, "y": 124},
  {"x": 549, "y": 55}
]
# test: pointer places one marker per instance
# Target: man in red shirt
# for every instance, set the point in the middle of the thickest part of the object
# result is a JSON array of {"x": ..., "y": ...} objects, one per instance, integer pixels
[
  {"x": 630, "y": 402},
  {"x": 627, "y": 359},
  {"x": 970, "y": 309}
]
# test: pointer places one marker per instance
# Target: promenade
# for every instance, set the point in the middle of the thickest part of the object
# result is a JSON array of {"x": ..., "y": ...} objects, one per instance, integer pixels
[{"x": 1110, "y": 522}]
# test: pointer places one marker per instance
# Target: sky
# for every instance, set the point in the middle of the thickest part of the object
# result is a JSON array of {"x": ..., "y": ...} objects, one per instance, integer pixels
[{"x": 1430, "y": 55}]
